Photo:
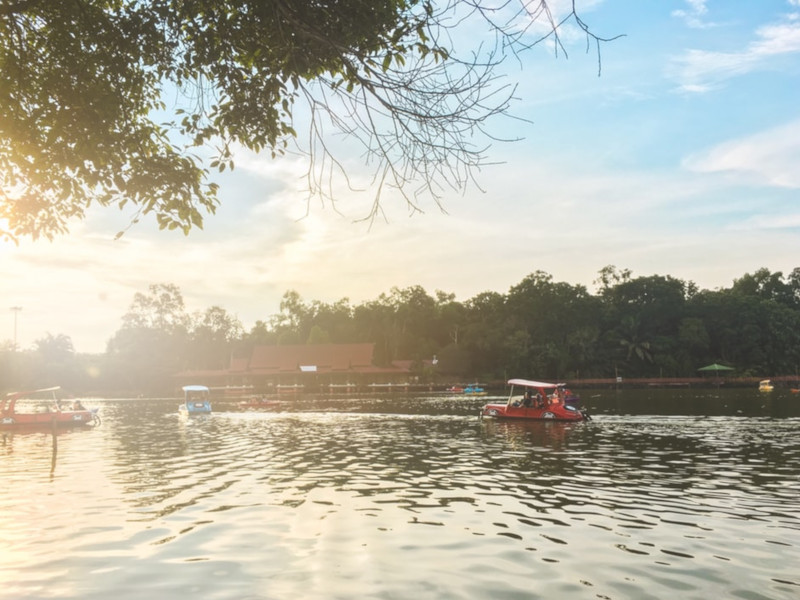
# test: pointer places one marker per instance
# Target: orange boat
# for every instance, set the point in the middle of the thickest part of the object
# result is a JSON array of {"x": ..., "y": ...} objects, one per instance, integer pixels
[
  {"x": 51, "y": 412},
  {"x": 539, "y": 400}
]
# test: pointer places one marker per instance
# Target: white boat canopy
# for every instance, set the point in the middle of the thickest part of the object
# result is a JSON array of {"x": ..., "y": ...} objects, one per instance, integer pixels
[
  {"x": 21, "y": 394},
  {"x": 195, "y": 388},
  {"x": 535, "y": 384}
]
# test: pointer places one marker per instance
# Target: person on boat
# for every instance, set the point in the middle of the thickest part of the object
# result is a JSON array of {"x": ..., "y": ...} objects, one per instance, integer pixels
[
  {"x": 76, "y": 405},
  {"x": 527, "y": 401}
]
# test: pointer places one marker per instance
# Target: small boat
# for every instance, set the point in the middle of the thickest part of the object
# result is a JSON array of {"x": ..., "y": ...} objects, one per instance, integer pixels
[
  {"x": 51, "y": 411},
  {"x": 474, "y": 390},
  {"x": 470, "y": 390},
  {"x": 765, "y": 386},
  {"x": 196, "y": 400},
  {"x": 539, "y": 400}
]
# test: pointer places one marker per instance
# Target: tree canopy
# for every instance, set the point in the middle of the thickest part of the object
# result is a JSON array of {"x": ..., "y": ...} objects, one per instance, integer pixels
[
  {"x": 134, "y": 102},
  {"x": 650, "y": 326}
]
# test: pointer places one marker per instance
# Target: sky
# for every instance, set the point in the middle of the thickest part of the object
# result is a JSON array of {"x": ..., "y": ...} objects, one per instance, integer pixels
[{"x": 681, "y": 158}]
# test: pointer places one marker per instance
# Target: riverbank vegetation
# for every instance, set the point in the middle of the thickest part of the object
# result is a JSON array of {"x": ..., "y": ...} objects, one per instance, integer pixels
[{"x": 633, "y": 327}]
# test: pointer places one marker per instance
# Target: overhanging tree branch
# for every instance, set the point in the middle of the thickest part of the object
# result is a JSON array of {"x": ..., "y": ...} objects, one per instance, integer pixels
[{"x": 81, "y": 83}]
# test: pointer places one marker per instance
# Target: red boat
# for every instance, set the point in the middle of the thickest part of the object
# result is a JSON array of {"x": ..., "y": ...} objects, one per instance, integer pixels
[
  {"x": 50, "y": 411},
  {"x": 539, "y": 400}
]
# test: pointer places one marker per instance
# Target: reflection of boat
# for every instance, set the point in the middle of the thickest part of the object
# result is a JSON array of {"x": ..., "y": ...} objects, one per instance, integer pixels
[
  {"x": 527, "y": 432},
  {"x": 196, "y": 400},
  {"x": 765, "y": 386},
  {"x": 258, "y": 402},
  {"x": 539, "y": 400},
  {"x": 58, "y": 413}
]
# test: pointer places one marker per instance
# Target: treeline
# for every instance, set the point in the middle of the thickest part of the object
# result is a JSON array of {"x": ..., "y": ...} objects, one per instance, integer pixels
[{"x": 653, "y": 326}]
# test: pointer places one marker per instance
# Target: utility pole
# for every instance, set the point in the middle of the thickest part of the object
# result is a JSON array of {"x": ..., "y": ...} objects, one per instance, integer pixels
[{"x": 16, "y": 310}]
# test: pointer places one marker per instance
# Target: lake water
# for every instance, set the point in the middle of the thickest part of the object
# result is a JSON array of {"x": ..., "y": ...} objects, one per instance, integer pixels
[{"x": 664, "y": 494}]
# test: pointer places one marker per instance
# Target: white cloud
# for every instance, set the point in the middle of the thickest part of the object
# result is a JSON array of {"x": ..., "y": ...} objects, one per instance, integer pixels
[
  {"x": 694, "y": 16},
  {"x": 701, "y": 70},
  {"x": 769, "y": 157}
]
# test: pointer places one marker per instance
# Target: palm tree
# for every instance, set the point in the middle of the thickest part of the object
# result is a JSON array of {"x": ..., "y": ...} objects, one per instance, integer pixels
[{"x": 630, "y": 339}]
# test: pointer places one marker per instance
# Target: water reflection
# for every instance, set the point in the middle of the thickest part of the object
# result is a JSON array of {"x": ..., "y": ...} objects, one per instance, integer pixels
[
  {"x": 34, "y": 445},
  {"x": 408, "y": 496},
  {"x": 695, "y": 402}
]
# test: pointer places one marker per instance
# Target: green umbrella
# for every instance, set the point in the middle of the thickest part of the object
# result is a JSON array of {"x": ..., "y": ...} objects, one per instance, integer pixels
[{"x": 715, "y": 367}]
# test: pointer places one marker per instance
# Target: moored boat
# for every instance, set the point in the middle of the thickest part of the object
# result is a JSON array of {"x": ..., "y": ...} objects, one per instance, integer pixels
[
  {"x": 765, "y": 385},
  {"x": 469, "y": 390},
  {"x": 50, "y": 411},
  {"x": 474, "y": 390},
  {"x": 539, "y": 400},
  {"x": 196, "y": 400}
]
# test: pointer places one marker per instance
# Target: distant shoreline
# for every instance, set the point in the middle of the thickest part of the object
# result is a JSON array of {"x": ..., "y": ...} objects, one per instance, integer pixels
[{"x": 782, "y": 381}]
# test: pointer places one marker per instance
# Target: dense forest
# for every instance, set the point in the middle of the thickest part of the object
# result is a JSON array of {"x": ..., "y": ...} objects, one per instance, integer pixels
[{"x": 653, "y": 326}]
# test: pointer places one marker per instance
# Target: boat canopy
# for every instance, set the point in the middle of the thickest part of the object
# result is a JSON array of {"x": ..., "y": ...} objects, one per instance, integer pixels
[
  {"x": 22, "y": 394},
  {"x": 535, "y": 384},
  {"x": 8, "y": 403},
  {"x": 195, "y": 388}
]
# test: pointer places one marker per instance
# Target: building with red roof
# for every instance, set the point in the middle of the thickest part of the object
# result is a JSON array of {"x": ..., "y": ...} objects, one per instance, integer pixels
[{"x": 304, "y": 366}]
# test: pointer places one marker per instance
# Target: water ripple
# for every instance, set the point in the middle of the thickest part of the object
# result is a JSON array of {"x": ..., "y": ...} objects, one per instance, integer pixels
[{"x": 362, "y": 497}]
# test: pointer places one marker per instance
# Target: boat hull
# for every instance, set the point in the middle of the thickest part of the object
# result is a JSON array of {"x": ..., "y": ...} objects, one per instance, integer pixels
[
  {"x": 553, "y": 412},
  {"x": 195, "y": 408},
  {"x": 76, "y": 418}
]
